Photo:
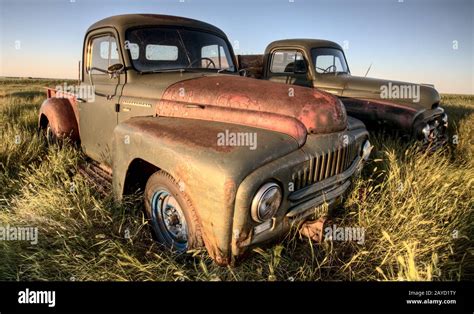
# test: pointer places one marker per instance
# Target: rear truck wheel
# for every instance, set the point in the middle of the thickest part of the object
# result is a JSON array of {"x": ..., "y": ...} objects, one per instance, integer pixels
[{"x": 172, "y": 217}]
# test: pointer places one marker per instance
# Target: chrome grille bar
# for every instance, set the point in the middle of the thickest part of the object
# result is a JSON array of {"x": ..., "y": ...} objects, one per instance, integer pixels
[{"x": 323, "y": 165}]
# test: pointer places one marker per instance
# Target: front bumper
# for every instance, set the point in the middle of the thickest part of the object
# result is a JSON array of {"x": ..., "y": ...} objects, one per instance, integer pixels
[{"x": 431, "y": 129}]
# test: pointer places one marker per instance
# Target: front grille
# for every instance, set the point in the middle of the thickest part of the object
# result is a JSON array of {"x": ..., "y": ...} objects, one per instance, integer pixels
[{"x": 323, "y": 165}]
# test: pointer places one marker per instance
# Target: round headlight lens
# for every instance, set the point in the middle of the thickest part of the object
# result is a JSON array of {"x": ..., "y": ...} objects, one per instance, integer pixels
[{"x": 266, "y": 202}]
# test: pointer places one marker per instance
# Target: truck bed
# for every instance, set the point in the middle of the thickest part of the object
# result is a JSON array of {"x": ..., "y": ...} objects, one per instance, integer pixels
[{"x": 253, "y": 64}]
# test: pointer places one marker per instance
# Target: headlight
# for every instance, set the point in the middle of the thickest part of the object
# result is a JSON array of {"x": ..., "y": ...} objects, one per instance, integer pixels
[
  {"x": 366, "y": 149},
  {"x": 426, "y": 131},
  {"x": 266, "y": 202}
]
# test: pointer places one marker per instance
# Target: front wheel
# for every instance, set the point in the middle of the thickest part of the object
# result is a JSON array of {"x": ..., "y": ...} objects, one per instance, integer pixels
[{"x": 171, "y": 214}]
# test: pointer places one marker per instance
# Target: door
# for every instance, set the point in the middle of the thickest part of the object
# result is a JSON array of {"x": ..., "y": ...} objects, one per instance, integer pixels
[
  {"x": 288, "y": 66},
  {"x": 98, "y": 116}
]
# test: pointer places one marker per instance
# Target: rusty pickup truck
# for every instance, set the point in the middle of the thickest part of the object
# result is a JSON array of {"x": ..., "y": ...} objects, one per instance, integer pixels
[
  {"x": 223, "y": 161},
  {"x": 411, "y": 110}
]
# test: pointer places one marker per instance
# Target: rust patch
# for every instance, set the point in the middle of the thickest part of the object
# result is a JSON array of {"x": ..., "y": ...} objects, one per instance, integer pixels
[
  {"x": 263, "y": 120},
  {"x": 230, "y": 190},
  {"x": 313, "y": 229},
  {"x": 213, "y": 249},
  {"x": 256, "y": 103}
]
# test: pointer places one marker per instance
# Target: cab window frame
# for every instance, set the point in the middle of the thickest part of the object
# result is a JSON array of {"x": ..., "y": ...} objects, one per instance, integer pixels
[
  {"x": 232, "y": 56},
  {"x": 313, "y": 63},
  {"x": 89, "y": 54},
  {"x": 290, "y": 49}
]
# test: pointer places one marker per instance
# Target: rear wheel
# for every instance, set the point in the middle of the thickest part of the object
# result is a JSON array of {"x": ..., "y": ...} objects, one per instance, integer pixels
[{"x": 171, "y": 214}]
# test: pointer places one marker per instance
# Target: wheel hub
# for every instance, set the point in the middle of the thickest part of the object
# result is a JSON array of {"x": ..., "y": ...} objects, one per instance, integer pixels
[{"x": 168, "y": 219}]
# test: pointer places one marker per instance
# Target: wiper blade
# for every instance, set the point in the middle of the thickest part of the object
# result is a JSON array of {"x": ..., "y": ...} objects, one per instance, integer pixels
[
  {"x": 182, "y": 70},
  {"x": 169, "y": 70}
]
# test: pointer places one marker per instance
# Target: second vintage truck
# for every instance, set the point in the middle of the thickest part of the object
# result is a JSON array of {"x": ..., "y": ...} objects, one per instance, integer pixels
[
  {"x": 412, "y": 110},
  {"x": 223, "y": 161}
]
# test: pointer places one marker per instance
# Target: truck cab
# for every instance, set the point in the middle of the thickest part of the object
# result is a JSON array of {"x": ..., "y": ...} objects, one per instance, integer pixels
[{"x": 222, "y": 161}]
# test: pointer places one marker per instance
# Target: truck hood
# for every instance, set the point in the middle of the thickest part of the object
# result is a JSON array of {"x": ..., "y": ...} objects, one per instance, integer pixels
[
  {"x": 292, "y": 110},
  {"x": 416, "y": 96}
]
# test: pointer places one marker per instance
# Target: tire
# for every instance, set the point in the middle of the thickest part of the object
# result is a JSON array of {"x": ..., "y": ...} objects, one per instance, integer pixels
[{"x": 171, "y": 214}]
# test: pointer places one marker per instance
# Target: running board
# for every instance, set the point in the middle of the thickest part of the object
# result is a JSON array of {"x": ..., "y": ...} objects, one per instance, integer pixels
[{"x": 98, "y": 176}]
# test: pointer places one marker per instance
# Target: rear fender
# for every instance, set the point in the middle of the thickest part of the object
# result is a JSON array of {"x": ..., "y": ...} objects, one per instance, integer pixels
[{"x": 59, "y": 113}]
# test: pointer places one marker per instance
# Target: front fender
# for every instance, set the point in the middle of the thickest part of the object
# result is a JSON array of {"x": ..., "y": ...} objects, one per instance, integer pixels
[
  {"x": 372, "y": 111},
  {"x": 423, "y": 117},
  {"x": 210, "y": 173}
]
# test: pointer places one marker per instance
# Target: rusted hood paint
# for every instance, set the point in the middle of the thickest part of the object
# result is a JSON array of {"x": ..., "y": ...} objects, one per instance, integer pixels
[{"x": 292, "y": 110}]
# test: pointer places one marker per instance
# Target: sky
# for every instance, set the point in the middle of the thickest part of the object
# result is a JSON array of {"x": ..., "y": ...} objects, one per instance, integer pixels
[{"x": 420, "y": 41}]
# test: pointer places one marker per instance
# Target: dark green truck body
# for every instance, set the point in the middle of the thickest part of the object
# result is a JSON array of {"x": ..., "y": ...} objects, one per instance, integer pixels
[{"x": 412, "y": 109}]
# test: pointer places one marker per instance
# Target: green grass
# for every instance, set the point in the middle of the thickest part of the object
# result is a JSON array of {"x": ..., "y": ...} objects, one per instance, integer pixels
[{"x": 417, "y": 211}]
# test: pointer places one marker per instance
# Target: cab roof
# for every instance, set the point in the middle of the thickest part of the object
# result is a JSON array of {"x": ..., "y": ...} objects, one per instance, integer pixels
[
  {"x": 303, "y": 43},
  {"x": 125, "y": 21}
]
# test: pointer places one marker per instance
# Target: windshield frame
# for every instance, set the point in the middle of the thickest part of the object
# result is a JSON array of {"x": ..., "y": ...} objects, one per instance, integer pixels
[
  {"x": 128, "y": 53},
  {"x": 333, "y": 73}
]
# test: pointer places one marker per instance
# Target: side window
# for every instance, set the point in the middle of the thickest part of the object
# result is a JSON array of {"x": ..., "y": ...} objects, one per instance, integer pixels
[
  {"x": 216, "y": 54},
  {"x": 103, "y": 53},
  {"x": 287, "y": 61}
]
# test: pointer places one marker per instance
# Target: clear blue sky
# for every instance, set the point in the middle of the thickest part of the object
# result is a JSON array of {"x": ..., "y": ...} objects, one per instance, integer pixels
[{"x": 409, "y": 40}]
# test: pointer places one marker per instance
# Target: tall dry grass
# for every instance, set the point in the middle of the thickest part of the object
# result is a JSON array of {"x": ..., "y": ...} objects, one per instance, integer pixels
[{"x": 416, "y": 210}]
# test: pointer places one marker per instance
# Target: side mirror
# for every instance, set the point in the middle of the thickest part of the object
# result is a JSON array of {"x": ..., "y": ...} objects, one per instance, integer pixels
[{"x": 115, "y": 69}]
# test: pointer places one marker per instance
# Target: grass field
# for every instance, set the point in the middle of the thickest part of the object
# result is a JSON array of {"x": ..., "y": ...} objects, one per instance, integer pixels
[{"x": 417, "y": 211}]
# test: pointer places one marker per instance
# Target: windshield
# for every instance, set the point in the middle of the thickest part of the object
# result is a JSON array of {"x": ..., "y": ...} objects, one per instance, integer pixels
[
  {"x": 166, "y": 49},
  {"x": 329, "y": 60}
]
